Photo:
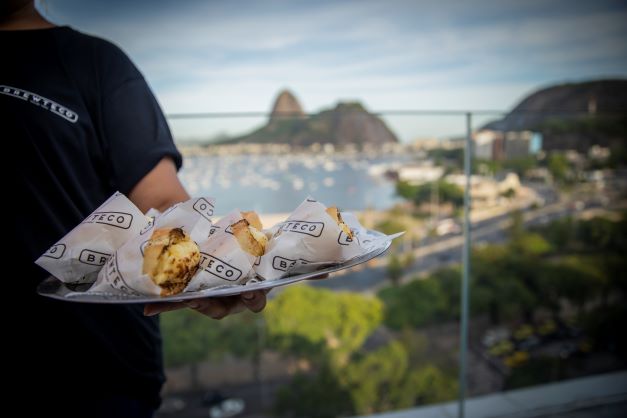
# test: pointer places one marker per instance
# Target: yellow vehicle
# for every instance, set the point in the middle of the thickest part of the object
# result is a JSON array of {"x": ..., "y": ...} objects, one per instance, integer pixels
[
  {"x": 501, "y": 348},
  {"x": 548, "y": 327},
  {"x": 523, "y": 332},
  {"x": 517, "y": 359}
]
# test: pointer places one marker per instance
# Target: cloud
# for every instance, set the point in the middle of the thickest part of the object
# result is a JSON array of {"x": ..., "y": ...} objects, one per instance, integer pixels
[{"x": 234, "y": 56}]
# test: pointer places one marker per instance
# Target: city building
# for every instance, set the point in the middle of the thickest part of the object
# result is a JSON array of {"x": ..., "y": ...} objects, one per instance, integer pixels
[
  {"x": 486, "y": 191},
  {"x": 420, "y": 173},
  {"x": 496, "y": 145}
]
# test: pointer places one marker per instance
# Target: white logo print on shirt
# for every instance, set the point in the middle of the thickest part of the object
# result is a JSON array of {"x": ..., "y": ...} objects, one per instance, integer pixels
[{"x": 38, "y": 100}]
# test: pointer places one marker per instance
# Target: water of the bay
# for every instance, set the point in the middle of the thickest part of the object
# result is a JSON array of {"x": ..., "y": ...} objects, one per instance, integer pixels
[{"x": 278, "y": 183}]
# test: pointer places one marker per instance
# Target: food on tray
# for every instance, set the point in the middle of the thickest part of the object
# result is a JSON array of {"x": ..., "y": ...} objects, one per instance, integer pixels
[
  {"x": 248, "y": 234},
  {"x": 170, "y": 259},
  {"x": 253, "y": 219},
  {"x": 334, "y": 213},
  {"x": 162, "y": 256},
  {"x": 311, "y": 237}
]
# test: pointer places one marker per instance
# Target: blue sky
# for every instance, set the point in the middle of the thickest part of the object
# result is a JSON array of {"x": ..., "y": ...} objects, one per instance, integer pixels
[{"x": 220, "y": 56}]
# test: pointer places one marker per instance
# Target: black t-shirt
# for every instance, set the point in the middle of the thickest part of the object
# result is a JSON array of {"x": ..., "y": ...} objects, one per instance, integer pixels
[{"x": 81, "y": 123}]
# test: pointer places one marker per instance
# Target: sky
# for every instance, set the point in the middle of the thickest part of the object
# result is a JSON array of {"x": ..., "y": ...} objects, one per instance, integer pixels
[{"x": 235, "y": 56}]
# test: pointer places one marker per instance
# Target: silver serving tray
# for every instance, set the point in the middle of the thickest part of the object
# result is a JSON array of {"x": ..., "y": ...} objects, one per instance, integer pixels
[{"x": 56, "y": 289}]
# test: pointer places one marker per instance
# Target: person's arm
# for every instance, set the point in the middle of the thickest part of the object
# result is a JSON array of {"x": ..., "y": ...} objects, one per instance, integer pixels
[
  {"x": 159, "y": 189},
  {"x": 144, "y": 160}
]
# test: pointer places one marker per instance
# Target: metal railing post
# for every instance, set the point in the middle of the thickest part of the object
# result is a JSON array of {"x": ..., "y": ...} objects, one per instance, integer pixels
[{"x": 465, "y": 269}]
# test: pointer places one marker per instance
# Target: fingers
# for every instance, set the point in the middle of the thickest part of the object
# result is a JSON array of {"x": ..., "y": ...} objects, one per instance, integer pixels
[
  {"x": 216, "y": 308},
  {"x": 151, "y": 309},
  {"x": 324, "y": 276},
  {"x": 255, "y": 301}
]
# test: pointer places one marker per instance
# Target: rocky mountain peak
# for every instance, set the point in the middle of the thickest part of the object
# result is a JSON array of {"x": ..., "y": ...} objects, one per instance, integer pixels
[
  {"x": 347, "y": 123},
  {"x": 286, "y": 104}
]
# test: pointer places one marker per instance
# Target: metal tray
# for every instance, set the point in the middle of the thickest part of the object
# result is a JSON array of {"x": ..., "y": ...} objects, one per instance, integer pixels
[{"x": 56, "y": 289}]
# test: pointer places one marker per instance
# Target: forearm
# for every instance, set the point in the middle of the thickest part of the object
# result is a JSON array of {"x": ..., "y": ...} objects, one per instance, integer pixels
[{"x": 159, "y": 189}]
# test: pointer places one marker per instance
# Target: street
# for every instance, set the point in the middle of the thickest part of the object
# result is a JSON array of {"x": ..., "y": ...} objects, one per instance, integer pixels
[{"x": 436, "y": 252}]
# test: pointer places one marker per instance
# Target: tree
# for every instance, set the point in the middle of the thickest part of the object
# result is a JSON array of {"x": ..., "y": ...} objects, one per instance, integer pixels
[
  {"x": 406, "y": 190},
  {"x": 558, "y": 166},
  {"x": 500, "y": 283},
  {"x": 395, "y": 269},
  {"x": 433, "y": 386},
  {"x": 449, "y": 280},
  {"x": 560, "y": 233},
  {"x": 520, "y": 165},
  {"x": 453, "y": 157},
  {"x": 579, "y": 280},
  {"x": 382, "y": 380},
  {"x": 415, "y": 304},
  {"x": 317, "y": 323},
  {"x": 517, "y": 228},
  {"x": 376, "y": 381},
  {"x": 419, "y": 194},
  {"x": 530, "y": 244},
  {"x": 187, "y": 337},
  {"x": 509, "y": 193},
  {"x": 318, "y": 396}
]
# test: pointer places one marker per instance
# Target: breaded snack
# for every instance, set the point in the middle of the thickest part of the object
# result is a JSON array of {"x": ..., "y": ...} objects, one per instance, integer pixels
[
  {"x": 170, "y": 259},
  {"x": 248, "y": 234},
  {"x": 253, "y": 219},
  {"x": 334, "y": 213}
]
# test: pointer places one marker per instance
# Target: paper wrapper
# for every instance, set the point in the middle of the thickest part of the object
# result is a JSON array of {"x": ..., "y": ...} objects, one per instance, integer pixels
[
  {"x": 82, "y": 252},
  {"x": 123, "y": 272},
  {"x": 310, "y": 239},
  {"x": 222, "y": 261}
]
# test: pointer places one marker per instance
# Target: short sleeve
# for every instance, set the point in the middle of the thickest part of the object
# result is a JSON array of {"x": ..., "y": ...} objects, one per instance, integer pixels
[{"x": 136, "y": 133}]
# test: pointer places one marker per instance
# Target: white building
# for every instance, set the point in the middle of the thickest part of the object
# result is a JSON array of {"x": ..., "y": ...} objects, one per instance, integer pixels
[
  {"x": 420, "y": 174},
  {"x": 496, "y": 145},
  {"x": 485, "y": 191},
  {"x": 487, "y": 144}
]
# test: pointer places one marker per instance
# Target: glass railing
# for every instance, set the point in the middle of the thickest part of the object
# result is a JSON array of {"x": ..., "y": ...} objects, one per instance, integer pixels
[{"x": 511, "y": 272}]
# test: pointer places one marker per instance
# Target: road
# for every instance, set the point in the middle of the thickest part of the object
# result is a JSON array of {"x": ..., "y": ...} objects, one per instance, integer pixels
[{"x": 436, "y": 252}]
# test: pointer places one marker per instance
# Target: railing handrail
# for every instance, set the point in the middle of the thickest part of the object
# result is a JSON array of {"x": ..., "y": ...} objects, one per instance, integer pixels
[{"x": 397, "y": 112}]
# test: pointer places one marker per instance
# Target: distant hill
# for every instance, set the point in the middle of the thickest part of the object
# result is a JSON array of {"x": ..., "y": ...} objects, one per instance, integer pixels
[
  {"x": 573, "y": 115},
  {"x": 286, "y": 105},
  {"x": 347, "y": 123}
]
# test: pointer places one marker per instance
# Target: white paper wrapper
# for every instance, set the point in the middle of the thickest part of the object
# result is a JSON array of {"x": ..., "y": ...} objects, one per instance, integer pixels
[
  {"x": 123, "y": 272},
  {"x": 82, "y": 252},
  {"x": 308, "y": 239},
  {"x": 222, "y": 261}
]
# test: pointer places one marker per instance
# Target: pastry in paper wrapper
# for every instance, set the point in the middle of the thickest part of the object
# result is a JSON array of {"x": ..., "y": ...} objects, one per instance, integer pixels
[
  {"x": 82, "y": 252},
  {"x": 170, "y": 245},
  {"x": 228, "y": 256},
  {"x": 170, "y": 259},
  {"x": 310, "y": 238}
]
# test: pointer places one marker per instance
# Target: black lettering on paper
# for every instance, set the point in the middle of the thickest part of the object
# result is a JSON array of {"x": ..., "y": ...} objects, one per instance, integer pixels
[
  {"x": 313, "y": 229},
  {"x": 118, "y": 219},
  {"x": 115, "y": 278},
  {"x": 285, "y": 264},
  {"x": 93, "y": 258},
  {"x": 344, "y": 239},
  {"x": 56, "y": 251},
  {"x": 219, "y": 268},
  {"x": 205, "y": 208}
]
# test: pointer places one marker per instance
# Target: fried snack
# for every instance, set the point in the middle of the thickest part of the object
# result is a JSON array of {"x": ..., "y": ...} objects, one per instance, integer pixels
[
  {"x": 334, "y": 213},
  {"x": 248, "y": 234},
  {"x": 253, "y": 219},
  {"x": 170, "y": 259}
]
